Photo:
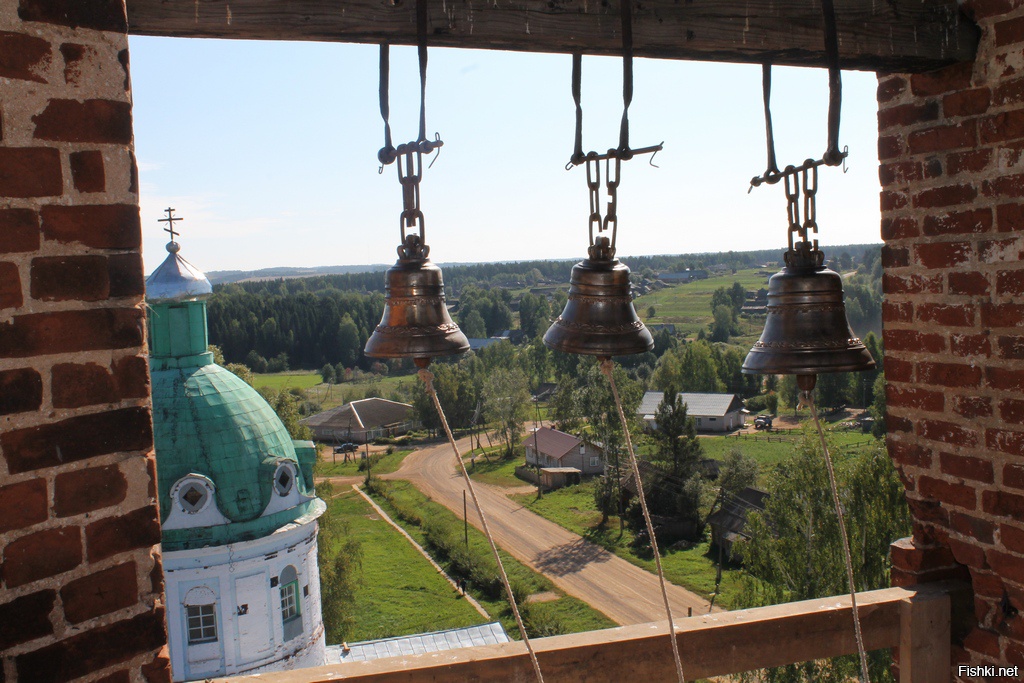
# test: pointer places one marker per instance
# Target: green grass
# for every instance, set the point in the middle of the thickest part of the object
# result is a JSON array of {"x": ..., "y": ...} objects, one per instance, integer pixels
[
  {"x": 302, "y": 379},
  {"x": 575, "y": 615},
  {"x": 496, "y": 471},
  {"x": 573, "y": 508},
  {"x": 399, "y": 592},
  {"x": 382, "y": 463},
  {"x": 770, "y": 449},
  {"x": 688, "y": 306},
  {"x": 346, "y": 392}
]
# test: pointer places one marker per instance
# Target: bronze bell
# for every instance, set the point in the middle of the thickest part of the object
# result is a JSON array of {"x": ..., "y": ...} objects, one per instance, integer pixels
[
  {"x": 806, "y": 331},
  {"x": 599, "y": 318},
  {"x": 415, "y": 323}
]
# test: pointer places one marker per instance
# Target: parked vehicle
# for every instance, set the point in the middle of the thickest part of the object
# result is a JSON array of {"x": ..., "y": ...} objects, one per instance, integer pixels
[
  {"x": 346, "y": 448},
  {"x": 763, "y": 422}
]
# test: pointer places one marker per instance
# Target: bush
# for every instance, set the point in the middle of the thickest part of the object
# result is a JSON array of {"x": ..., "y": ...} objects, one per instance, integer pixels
[{"x": 756, "y": 404}]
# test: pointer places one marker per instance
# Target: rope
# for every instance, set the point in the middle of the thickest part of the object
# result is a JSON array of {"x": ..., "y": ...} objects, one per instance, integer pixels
[
  {"x": 846, "y": 542},
  {"x": 428, "y": 380},
  {"x": 606, "y": 368}
]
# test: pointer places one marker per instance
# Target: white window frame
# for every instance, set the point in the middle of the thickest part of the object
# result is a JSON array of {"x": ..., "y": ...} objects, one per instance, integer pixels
[
  {"x": 201, "y": 622},
  {"x": 290, "y": 605}
]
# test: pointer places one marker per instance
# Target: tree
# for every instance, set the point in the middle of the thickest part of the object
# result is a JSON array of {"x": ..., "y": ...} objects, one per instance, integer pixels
[
  {"x": 350, "y": 343},
  {"x": 255, "y": 361},
  {"x": 506, "y": 398},
  {"x": 690, "y": 367},
  {"x": 833, "y": 389},
  {"x": 534, "y": 314},
  {"x": 218, "y": 356},
  {"x": 771, "y": 402},
  {"x": 789, "y": 392},
  {"x": 327, "y": 374},
  {"x": 722, "y": 326},
  {"x": 286, "y": 405},
  {"x": 651, "y": 311},
  {"x": 473, "y": 325},
  {"x": 242, "y": 372},
  {"x": 878, "y": 407},
  {"x": 340, "y": 558},
  {"x": 676, "y": 434}
]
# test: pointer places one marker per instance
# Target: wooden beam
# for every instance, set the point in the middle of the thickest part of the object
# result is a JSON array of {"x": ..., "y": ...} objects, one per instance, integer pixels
[
  {"x": 925, "y": 640},
  {"x": 716, "y": 644},
  {"x": 896, "y": 35}
]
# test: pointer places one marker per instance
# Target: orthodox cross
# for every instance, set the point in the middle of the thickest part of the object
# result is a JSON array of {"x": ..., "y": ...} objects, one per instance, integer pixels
[{"x": 170, "y": 222}]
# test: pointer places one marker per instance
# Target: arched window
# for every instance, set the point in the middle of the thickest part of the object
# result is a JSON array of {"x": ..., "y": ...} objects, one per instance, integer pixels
[
  {"x": 201, "y": 615},
  {"x": 291, "y": 607}
]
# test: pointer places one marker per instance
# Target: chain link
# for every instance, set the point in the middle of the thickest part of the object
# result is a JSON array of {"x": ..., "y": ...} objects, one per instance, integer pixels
[
  {"x": 792, "y": 187},
  {"x": 810, "y": 225},
  {"x": 594, "y": 186},
  {"x": 611, "y": 219},
  {"x": 410, "y": 171}
]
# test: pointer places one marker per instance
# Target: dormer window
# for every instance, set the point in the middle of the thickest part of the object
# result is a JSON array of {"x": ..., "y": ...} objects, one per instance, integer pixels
[
  {"x": 284, "y": 478},
  {"x": 193, "y": 493}
]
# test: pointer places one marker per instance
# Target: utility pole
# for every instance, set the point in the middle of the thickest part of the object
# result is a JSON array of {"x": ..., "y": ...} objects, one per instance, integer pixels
[
  {"x": 465, "y": 519},
  {"x": 536, "y": 451},
  {"x": 369, "y": 463}
]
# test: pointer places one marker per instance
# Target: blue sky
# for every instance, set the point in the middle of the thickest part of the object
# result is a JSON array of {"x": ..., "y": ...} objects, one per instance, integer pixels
[{"x": 268, "y": 150}]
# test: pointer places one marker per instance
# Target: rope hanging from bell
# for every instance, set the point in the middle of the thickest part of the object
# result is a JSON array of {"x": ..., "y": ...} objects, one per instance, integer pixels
[{"x": 415, "y": 323}]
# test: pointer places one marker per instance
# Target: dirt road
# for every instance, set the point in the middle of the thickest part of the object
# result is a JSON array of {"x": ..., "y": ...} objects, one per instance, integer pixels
[{"x": 625, "y": 593}]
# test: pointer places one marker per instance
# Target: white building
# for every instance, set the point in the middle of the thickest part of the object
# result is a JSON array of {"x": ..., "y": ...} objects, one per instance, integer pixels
[{"x": 710, "y": 412}]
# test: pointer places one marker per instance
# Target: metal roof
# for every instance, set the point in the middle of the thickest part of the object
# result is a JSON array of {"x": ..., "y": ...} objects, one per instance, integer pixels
[
  {"x": 421, "y": 643},
  {"x": 697, "y": 405},
  {"x": 177, "y": 280},
  {"x": 366, "y": 413},
  {"x": 551, "y": 442}
]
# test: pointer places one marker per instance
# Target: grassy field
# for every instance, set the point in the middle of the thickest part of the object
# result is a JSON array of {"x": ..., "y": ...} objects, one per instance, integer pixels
[
  {"x": 337, "y": 394},
  {"x": 399, "y": 593},
  {"x": 497, "y": 471},
  {"x": 769, "y": 449},
  {"x": 301, "y": 379},
  {"x": 573, "y": 508},
  {"x": 572, "y": 614},
  {"x": 382, "y": 463}
]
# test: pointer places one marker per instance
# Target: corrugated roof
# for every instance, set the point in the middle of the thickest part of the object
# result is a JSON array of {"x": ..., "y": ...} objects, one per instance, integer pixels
[
  {"x": 551, "y": 442},
  {"x": 366, "y": 413},
  {"x": 702, "y": 405},
  {"x": 437, "y": 641}
]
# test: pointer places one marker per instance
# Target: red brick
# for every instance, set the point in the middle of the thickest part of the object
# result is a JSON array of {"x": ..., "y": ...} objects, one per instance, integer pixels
[
  {"x": 907, "y": 114},
  {"x": 103, "y": 227},
  {"x": 912, "y": 340},
  {"x": 943, "y": 254},
  {"x": 947, "y": 432},
  {"x": 87, "y": 490},
  {"x": 19, "y": 231},
  {"x": 943, "y": 138},
  {"x": 948, "y": 315},
  {"x": 911, "y": 284},
  {"x": 73, "y": 55},
  {"x": 1013, "y": 476},
  {"x": 100, "y": 593},
  {"x": 966, "y": 467},
  {"x": 93, "y": 650},
  {"x": 113, "y": 535},
  {"x": 899, "y": 228},
  {"x": 125, "y": 274},
  {"x": 983, "y": 642},
  {"x": 912, "y": 397},
  {"x": 23, "y": 504},
  {"x": 125, "y": 676},
  {"x": 74, "y": 385},
  {"x": 10, "y": 286},
  {"x": 1000, "y": 251},
  {"x": 967, "y": 553},
  {"x": 981, "y": 530},
  {"x": 21, "y": 391},
  {"x": 966, "y": 345},
  {"x": 87, "y": 171},
  {"x": 948, "y": 374},
  {"x": 910, "y": 455},
  {"x": 1004, "y": 504},
  {"x": 101, "y": 121},
  {"x": 69, "y": 331},
  {"x": 913, "y": 557},
  {"x": 948, "y": 79},
  {"x": 890, "y": 147},
  {"x": 1011, "y": 347},
  {"x": 950, "y": 195},
  {"x": 30, "y": 172},
  {"x": 958, "y": 223},
  {"x": 899, "y": 173},
  {"x": 932, "y": 168},
  {"x": 971, "y": 283},
  {"x": 948, "y": 493},
  {"x": 972, "y": 407},
  {"x": 23, "y": 56},
  {"x": 26, "y": 618},
  {"x": 77, "y": 438},
  {"x": 1008, "y": 125},
  {"x": 1008, "y": 92},
  {"x": 986, "y": 583},
  {"x": 1010, "y": 282},
  {"x": 158, "y": 670},
  {"x": 70, "y": 278},
  {"x": 891, "y": 88},
  {"x": 1012, "y": 538},
  {"x": 1002, "y": 315},
  {"x": 895, "y": 257},
  {"x": 889, "y": 200},
  {"x": 898, "y": 370},
  {"x": 902, "y": 312},
  {"x": 971, "y": 161},
  {"x": 1004, "y": 186},
  {"x": 131, "y": 377},
  {"x": 42, "y": 554},
  {"x": 1005, "y": 441},
  {"x": 1010, "y": 217},
  {"x": 1012, "y": 410},
  {"x": 1009, "y": 31},
  {"x": 966, "y": 102}
]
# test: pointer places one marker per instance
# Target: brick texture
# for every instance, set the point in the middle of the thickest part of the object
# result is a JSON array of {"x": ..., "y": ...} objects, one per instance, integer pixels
[
  {"x": 80, "y": 572},
  {"x": 951, "y": 144}
]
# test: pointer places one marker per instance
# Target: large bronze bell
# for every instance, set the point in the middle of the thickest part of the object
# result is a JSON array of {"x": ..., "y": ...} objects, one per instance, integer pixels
[
  {"x": 415, "y": 323},
  {"x": 599, "y": 318},
  {"x": 806, "y": 331}
]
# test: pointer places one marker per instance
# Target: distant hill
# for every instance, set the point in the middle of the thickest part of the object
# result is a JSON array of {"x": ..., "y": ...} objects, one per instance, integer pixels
[{"x": 220, "y": 277}]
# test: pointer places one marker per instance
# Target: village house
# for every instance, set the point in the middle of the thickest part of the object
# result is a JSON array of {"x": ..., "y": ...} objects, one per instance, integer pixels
[
  {"x": 710, "y": 412},
  {"x": 361, "y": 421},
  {"x": 730, "y": 519},
  {"x": 547, "y": 447}
]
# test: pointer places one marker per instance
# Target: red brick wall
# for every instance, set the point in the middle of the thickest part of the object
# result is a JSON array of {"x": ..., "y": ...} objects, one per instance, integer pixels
[
  {"x": 951, "y": 146},
  {"x": 80, "y": 575}
]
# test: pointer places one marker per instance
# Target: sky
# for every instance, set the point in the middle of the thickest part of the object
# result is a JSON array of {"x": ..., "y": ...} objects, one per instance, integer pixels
[{"x": 268, "y": 150}]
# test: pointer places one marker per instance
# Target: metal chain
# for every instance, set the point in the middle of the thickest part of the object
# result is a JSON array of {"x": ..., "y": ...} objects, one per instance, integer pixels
[
  {"x": 792, "y": 187},
  {"x": 611, "y": 219},
  {"x": 810, "y": 224},
  {"x": 594, "y": 187},
  {"x": 410, "y": 172}
]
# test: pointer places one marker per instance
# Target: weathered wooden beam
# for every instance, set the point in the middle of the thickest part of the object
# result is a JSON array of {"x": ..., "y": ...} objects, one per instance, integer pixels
[
  {"x": 894, "y": 35},
  {"x": 716, "y": 644}
]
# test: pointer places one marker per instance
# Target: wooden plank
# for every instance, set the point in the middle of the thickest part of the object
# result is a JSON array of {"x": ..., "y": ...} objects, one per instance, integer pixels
[
  {"x": 898, "y": 35},
  {"x": 925, "y": 639},
  {"x": 712, "y": 645}
]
